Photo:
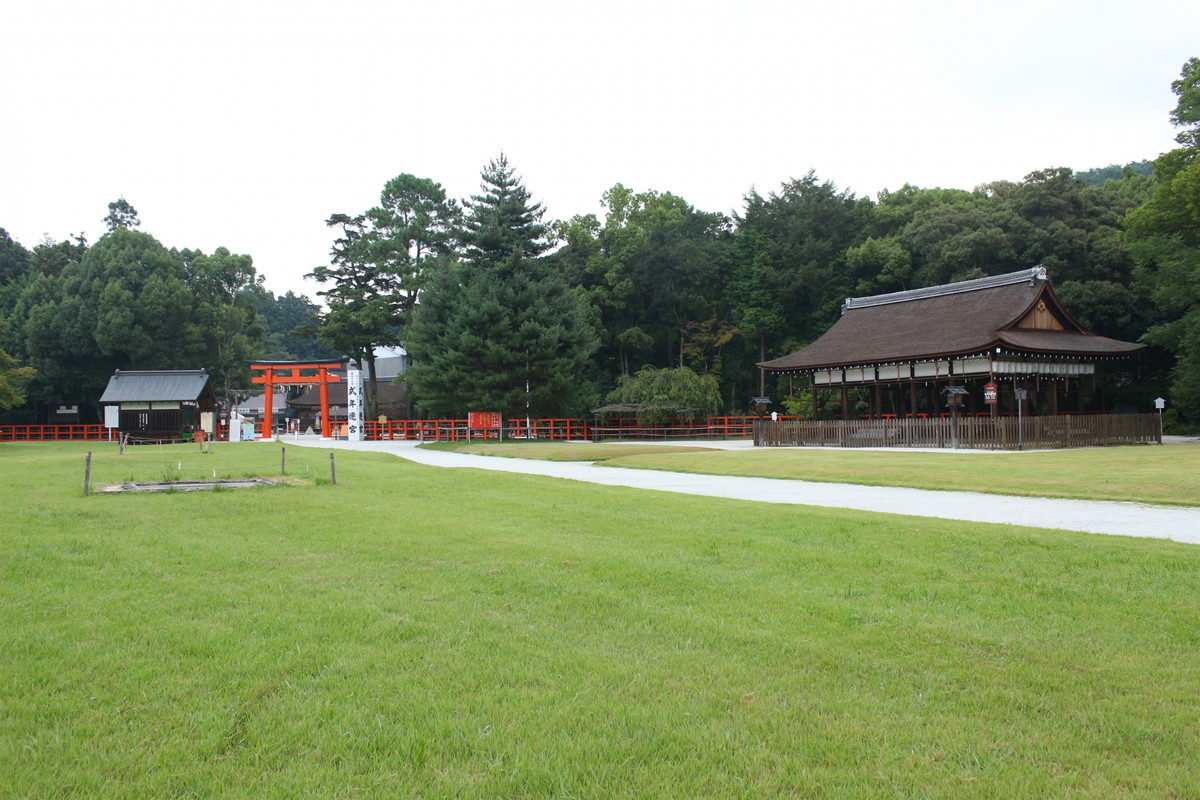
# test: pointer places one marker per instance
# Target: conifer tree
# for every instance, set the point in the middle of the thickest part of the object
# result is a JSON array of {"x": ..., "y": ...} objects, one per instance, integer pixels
[{"x": 501, "y": 330}]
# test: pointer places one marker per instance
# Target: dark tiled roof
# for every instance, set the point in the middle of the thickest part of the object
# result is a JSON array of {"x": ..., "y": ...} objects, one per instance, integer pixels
[
  {"x": 941, "y": 321},
  {"x": 388, "y": 395},
  {"x": 155, "y": 386}
]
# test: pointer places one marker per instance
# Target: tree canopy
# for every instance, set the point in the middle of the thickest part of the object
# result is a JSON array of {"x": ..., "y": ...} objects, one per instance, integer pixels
[
  {"x": 502, "y": 309},
  {"x": 501, "y": 330}
]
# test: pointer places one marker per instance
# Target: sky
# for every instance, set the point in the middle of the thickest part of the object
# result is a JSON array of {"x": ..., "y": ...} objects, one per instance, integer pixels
[{"x": 245, "y": 124}]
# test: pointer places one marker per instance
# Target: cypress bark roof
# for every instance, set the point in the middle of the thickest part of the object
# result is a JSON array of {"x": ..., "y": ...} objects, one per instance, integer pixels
[
  {"x": 157, "y": 386},
  {"x": 1018, "y": 312},
  {"x": 389, "y": 394}
]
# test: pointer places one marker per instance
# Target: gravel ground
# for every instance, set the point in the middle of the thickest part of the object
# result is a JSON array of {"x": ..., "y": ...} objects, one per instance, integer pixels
[{"x": 1116, "y": 518}]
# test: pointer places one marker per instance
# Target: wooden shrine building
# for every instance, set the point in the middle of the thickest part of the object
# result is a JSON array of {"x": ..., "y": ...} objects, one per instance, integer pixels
[
  {"x": 160, "y": 405},
  {"x": 996, "y": 335}
]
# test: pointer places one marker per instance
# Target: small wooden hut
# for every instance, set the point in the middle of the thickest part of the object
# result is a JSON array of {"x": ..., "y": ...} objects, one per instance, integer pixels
[{"x": 160, "y": 404}]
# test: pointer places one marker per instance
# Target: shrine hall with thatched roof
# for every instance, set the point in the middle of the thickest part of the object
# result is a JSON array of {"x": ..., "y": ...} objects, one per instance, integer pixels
[{"x": 1007, "y": 331}]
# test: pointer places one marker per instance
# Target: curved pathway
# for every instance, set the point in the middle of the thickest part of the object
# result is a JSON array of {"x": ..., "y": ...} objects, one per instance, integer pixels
[{"x": 1090, "y": 516}]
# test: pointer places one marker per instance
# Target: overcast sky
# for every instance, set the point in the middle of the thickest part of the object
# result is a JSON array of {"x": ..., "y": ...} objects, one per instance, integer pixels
[{"x": 245, "y": 124}]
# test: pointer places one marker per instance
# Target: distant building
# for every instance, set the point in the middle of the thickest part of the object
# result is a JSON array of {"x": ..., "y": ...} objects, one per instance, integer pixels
[
  {"x": 392, "y": 401},
  {"x": 390, "y": 363}
]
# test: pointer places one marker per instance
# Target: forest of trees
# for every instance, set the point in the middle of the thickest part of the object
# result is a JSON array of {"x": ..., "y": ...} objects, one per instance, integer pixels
[{"x": 504, "y": 310}]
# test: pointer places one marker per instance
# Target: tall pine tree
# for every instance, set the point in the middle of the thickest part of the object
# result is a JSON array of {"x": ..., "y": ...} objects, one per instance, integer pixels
[{"x": 501, "y": 330}]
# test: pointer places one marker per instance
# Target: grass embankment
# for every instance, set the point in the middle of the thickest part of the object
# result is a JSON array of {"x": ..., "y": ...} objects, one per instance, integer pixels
[
  {"x": 419, "y": 632},
  {"x": 1167, "y": 475}
]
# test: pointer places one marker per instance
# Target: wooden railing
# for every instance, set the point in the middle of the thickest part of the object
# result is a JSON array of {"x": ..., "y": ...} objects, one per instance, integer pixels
[{"x": 968, "y": 433}]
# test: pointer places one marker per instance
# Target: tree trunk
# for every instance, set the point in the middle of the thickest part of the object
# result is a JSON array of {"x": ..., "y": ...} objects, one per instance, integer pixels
[{"x": 372, "y": 395}]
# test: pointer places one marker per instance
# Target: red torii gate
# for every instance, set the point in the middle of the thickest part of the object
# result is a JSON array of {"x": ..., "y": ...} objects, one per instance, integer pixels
[{"x": 293, "y": 373}]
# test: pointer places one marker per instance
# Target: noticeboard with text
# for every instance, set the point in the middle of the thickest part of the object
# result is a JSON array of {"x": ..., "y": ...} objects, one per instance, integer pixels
[{"x": 484, "y": 420}]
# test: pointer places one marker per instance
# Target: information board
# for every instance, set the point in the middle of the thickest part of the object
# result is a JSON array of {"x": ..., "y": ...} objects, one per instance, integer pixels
[{"x": 484, "y": 420}]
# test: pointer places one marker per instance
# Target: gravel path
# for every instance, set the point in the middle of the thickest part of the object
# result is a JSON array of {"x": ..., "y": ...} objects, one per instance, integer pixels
[{"x": 1090, "y": 516}]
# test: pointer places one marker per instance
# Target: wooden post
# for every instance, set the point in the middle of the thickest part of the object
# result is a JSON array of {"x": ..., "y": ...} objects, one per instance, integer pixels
[
  {"x": 326, "y": 425},
  {"x": 87, "y": 475},
  {"x": 268, "y": 404},
  {"x": 332, "y": 470},
  {"x": 283, "y": 461}
]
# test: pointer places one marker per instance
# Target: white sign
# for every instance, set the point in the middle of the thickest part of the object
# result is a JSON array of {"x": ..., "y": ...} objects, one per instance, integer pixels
[
  {"x": 112, "y": 416},
  {"x": 1160, "y": 403},
  {"x": 355, "y": 405}
]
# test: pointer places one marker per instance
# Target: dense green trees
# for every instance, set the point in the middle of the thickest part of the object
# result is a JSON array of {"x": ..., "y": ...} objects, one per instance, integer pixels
[
  {"x": 501, "y": 329},
  {"x": 75, "y": 313},
  {"x": 125, "y": 305},
  {"x": 496, "y": 299},
  {"x": 649, "y": 272},
  {"x": 290, "y": 328},
  {"x": 1164, "y": 236},
  {"x": 379, "y": 265},
  {"x": 13, "y": 380},
  {"x": 226, "y": 314}
]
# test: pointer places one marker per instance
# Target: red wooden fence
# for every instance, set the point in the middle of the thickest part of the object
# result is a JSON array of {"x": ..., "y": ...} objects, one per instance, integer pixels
[
  {"x": 447, "y": 430},
  {"x": 934, "y": 431}
]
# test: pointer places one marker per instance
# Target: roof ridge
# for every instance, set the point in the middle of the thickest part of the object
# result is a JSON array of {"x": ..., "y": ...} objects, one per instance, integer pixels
[
  {"x": 159, "y": 372},
  {"x": 1032, "y": 274}
]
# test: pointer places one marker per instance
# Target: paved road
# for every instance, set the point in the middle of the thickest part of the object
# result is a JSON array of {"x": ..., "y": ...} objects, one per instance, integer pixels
[{"x": 1123, "y": 519}]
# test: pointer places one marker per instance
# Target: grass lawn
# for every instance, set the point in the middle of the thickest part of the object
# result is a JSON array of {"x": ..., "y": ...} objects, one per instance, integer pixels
[
  {"x": 1147, "y": 474},
  {"x": 428, "y": 633}
]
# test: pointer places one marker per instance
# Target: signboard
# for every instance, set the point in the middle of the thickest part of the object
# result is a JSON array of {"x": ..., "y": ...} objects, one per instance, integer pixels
[
  {"x": 356, "y": 413},
  {"x": 989, "y": 393},
  {"x": 484, "y": 420},
  {"x": 112, "y": 416}
]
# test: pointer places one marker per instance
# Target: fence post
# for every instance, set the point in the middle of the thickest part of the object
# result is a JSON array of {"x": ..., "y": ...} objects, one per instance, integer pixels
[
  {"x": 87, "y": 475},
  {"x": 283, "y": 461},
  {"x": 332, "y": 470}
]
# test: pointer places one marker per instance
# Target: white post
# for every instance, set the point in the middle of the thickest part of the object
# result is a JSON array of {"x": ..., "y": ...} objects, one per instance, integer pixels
[
  {"x": 1160, "y": 403},
  {"x": 1020, "y": 431}
]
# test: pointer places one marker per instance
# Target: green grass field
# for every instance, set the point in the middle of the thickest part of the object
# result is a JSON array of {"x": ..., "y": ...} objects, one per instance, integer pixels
[
  {"x": 1147, "y": 474},
  {"x": 429, "y": 633}
]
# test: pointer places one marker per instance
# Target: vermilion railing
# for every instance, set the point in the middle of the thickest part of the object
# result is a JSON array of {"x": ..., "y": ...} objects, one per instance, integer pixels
[
  {"x": 452, "y": 430},
  {"x": 56, "y": 433}
]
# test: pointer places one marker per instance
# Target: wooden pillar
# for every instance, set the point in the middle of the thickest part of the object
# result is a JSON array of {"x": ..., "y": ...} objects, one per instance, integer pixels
[
  {"x": 845, "y": 402},
  {"x": 269, "y": 405},
  {"x": 326, "y": 427}
]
